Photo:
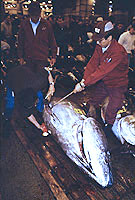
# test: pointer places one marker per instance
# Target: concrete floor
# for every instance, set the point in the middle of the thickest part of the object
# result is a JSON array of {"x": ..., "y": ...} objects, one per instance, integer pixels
[{"x": 20, "y": 179}]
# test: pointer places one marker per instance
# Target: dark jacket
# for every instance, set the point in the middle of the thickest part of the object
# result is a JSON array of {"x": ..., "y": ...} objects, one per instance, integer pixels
[
  {"x": 111, "y": 66},
  {"x": 22, "y": 77},
  {"x": 37, "y": 46}
]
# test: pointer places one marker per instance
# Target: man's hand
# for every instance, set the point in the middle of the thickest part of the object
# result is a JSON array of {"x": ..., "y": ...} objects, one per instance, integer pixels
[
  {"x": 78, "y": 88},
  {"x": 21, "y": 60},
  {"x": 52, "y": 61}
]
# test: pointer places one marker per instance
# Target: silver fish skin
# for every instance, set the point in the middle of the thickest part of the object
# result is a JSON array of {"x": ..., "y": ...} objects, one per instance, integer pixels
[
  {"x": 124, "y": 129},
  {"x": 82, "y": 140}
]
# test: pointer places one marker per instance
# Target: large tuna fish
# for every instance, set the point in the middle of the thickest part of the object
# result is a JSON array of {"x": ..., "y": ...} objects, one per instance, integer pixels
[
  {"x": 124, "y": 129},
  {"x": 81, "y": 138}
]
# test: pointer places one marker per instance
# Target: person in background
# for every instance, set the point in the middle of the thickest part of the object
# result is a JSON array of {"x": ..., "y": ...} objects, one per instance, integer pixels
[
  {"x": 51, "y": 19},
  {"x": 61, "y": 35},
  {"x": 6, "y": 29},
  {"x": 36, "y": 41},
  {"x": 99, "y": 19},
  {"x": 119, "y": 29},
  {"x": 7, "y": 34},
  {"x": 133, "y": 21},
  {"x": 24, "y": 89},
  {"x": 108, "y": 68},
  {"x": 127, "y": 40}
]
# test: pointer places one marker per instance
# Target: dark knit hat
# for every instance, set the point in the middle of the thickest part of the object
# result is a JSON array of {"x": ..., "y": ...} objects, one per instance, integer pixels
[
  {"x": 34, "y": 8},
  {"x": 102, "y": 29}
]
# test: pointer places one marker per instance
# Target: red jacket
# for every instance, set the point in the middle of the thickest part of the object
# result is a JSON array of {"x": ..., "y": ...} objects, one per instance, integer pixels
[
  {"x": 37, "y": 46},
  {"x": 111, "y": 66}
]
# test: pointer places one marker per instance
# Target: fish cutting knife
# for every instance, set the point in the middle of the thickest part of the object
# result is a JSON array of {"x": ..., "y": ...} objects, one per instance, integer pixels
[{"x": 63, "y": 98}]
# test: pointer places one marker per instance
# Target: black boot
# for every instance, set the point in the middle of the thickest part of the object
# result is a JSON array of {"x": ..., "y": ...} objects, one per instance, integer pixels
[
  {"x": 107, "y": 128},
  {"x": 95, "y": 113}
]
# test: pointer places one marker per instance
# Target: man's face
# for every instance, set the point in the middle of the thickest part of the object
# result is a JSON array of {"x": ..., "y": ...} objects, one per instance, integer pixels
[
  {"x": 132, "y": 31},
  {"x": 8, "y": 19},
  {"x": 104, "y": 42},
  {"x": 35, "y": 19}
]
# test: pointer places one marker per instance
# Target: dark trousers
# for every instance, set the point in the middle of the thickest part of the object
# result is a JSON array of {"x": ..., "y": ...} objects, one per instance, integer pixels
[{"x": 116, "y": 97}]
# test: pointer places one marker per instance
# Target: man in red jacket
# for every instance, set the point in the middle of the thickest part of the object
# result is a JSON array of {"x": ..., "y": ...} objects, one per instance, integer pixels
[
  {"x": 108, "y": 68},
  {"x": 36, "y": 40}
]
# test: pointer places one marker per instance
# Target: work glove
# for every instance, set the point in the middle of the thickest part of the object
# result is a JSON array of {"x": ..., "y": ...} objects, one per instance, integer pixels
[
  {"x": 79, "y": 87},
  {"x": 44, "y": 129}
]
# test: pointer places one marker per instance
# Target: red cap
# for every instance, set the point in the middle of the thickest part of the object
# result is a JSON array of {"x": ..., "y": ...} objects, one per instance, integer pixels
[{"x": 102, "y": 29}]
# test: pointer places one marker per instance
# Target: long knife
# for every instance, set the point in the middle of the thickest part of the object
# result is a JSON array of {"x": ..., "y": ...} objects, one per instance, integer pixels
[{"x": 63, "y": 98}]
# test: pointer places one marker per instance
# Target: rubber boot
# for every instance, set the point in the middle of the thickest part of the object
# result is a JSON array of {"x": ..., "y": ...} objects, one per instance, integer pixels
[
  {"x": 95, "y": 113},
  {"x": 107, "y": 128}
]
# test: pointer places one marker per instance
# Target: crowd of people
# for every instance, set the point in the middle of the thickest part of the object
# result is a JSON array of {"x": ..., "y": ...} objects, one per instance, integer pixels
[{"x": 37, "y": 42}]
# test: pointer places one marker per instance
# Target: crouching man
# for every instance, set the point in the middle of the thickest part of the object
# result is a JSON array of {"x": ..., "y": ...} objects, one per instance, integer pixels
[{"x": 24, "y": 89}]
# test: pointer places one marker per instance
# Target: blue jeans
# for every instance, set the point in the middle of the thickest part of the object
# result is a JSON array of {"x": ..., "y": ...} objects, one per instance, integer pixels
[
  {"x": 9, "y": 105},
  {"x": 40, "y": 103},
  {"x": 10, "y": 101}
]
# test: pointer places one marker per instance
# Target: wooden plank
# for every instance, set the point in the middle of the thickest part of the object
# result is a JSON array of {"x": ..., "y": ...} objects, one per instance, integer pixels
[
  {"x": 66, "y": 182},
  {"x": 43, "y": 169},
  {"x": 65, "y": 178},
  {"x": 73, "y": 170}
]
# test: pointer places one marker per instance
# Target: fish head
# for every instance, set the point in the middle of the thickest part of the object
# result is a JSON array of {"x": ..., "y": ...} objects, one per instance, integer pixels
[{"x": 127, "y": 128}]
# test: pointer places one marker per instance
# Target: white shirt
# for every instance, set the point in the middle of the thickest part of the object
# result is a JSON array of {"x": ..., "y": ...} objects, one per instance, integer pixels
[
  {"x": 34, "y": 26},
  {"x": 127, "y": 41},
  {"x": 105, "y": 48}
]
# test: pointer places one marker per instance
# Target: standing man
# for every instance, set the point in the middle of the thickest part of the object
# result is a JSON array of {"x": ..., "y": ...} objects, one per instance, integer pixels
[
  {"x": 36, "y": 40},
  {"x": 108, "y": 67},
  {"x": 127, "y": 40}
]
